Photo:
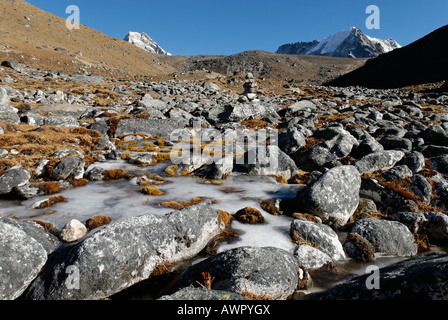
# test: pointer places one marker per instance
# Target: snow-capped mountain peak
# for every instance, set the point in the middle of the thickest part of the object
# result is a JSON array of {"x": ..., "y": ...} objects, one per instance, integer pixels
[
  {"x": 387, "y": 45},
  {"x": 144, "y": 41},
  {"x": 346, "y": 43}
]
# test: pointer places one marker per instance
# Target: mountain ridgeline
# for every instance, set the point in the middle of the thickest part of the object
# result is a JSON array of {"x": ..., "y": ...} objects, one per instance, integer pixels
[
  {"x": 423, "y": 61},
  {"x": 352, "y": 43}
]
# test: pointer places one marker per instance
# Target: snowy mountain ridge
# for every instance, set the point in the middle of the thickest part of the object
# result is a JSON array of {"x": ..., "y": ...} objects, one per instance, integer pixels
[
  {"x": 144, "y": 41},
  {"x": 346, "y": 43}
]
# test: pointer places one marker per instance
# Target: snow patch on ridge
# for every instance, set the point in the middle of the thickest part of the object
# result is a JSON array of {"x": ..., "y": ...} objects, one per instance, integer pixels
[{"x": 144, "y": 41}]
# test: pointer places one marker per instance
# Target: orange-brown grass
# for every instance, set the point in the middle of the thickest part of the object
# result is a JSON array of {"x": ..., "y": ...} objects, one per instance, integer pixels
[
  {"x": 80, "y": 182},
  {"x": 280, "y": 179},
  {"x": 49, "y": 202},
  {"x": 113, "y": 121},
  {"x": 36, "y": 144},
  {"x": 301, "y": 178},
  {"x": 50, "y": 187},
  {"x": 254, "y": 124},
  {"x": 269, "y": 206},
  {"x": 326, "y": 119},
  {"x": 172, "y": 170},
  {"x": 177, "y": 205},
  {"x": 161, "y": 157},
  {"x": 307, "y": 216},
  {"x": 151, "y": 191},
  {"x": 310, "y": 141},
  {"x": 114, "y": 174},
  {"x": 97, "y": 221},
  {"x": 403, "y": 187}
]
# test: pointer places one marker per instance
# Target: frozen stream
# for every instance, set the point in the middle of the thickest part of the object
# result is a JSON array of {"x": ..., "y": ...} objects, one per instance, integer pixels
[{"x": 122, "y": 199}]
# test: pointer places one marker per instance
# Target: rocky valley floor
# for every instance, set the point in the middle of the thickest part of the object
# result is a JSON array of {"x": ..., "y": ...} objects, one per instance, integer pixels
[{"x": 93, "y": 205}]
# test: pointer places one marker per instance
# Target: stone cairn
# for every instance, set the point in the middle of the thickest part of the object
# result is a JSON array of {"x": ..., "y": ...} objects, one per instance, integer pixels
[{"x": 250, "y": 89}]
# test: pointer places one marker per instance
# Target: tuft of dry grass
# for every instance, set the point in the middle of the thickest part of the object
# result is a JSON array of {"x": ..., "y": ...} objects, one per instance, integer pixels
[
  {"x": 114, "y": 174},
  {"x": 50, "y": 187},
  {"x": 172, "y": 170},
  {"x": 49, "y": 202},
  {"x": 80, "y": 182},
  {"x": 97, "y": 221},
  {"x": 151, "y": 191},
  {"x": 178, "y": 205}
]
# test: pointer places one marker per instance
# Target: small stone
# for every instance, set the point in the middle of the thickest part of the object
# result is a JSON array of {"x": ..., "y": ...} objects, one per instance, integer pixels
[{"x": 73, "y": 231}]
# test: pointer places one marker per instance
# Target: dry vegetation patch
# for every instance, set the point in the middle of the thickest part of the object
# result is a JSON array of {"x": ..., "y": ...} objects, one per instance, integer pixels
[{"x": 36, "y": 144}]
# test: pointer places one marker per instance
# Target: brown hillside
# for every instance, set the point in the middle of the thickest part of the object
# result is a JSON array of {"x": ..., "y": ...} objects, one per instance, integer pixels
[
  {"x": 303, "y": 69},
  {"x": 37, "y": 38}
]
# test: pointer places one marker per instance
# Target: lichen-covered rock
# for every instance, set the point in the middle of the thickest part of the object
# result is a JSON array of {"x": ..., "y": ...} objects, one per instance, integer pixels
[
  {"x": 310, "y": 257},
  {"x": 436, "y": 227},
  {"x": 15, "y": 177},
  {"x": 424, "y": 277},
  {"x": 21, "y": 259},
  {"x": 35, "y": 231},
  {"x": 381, "y": 160},
  {"x": 266, "y": 272},
  {"x": 315, "y": 158},
  {"x": 70, "y": 166},
  {"x": 153, "y": 127},
  {"x": 318, "y": 235},
  {"x": 334, "y": 197},
  {"x": 8, "y": 113},
  {"x": 267, "y": 161},
  {"x": 200, "y": 294},
  {"x": 125, "y": 252},
  {"x": 388, "y": 237},
  {"x": 291, "y": 141}
]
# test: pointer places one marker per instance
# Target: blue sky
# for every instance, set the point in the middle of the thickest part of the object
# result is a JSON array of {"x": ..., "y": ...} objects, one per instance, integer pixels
[{"x": 189, "y": 27}]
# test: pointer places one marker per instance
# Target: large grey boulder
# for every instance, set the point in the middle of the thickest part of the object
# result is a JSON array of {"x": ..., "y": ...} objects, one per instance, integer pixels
[
  {"x": 424, "y": 277},
  {"x": 291, "y": 141},
  {"x": 15, "y": 177},
  {"x": 319, "y": 235},
  {"x": 70, "y": 166},
  {"x": 342, "y": 144},
  {"x": 49, "y": 241},
  {"x": 381, "y": 160},
  {"x": 91, "y": 78},
  {"x": 152, "y": 127},
  {"x": 21, "y": 260},
  {"x": 148, "y": 101},
  {"x": 266, "y": 272},
  {"x": 8, "y": 113},
  {"x": 201, "y": 294},
  {"x": 125, "y": 252},
  {"x": 267, "y": 161},
  {"x": 236, "y": 112},
  {"x": 315, "y": 158},
  {"x": 385, "y": 197},
  {"x": 310, "y": 257},
  {"x": 367, "y": 145},
  {"x": 436, "y": 227},
  {"x": 387, "y": 237},
  {"x": 432, "y": 224},
  {"x": 334, "y": 197},
  {"x": 61, "y": 121}
]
